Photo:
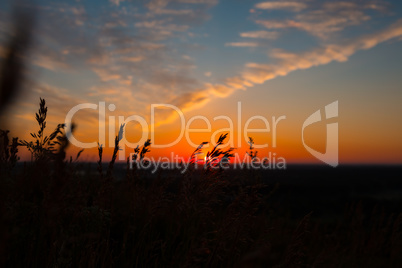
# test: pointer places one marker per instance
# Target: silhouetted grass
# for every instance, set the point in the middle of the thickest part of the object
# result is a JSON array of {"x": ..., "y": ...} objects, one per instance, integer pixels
[{"x": 55, "y": 216}]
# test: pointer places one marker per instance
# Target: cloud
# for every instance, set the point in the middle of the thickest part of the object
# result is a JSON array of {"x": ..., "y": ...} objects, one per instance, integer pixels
[
  {"x": 208, "y": 2},
  {"x": 382, "y": 7},
  {"x": 323, "y": 19},
  {"x": 59, "y": 101},
  {"x": 319, "y": 23},
  {"x": 260, "y": 35},
  {"x": 131, "y": 48},
  {"x": 374, "y": 5},
  {"x": 106, "y": 76},
  {"x": 116, "y": 2},
  {"x": 242, "y": 44},
  {"x": 169, "y": 7},
  {"x": 285, "y": 5},
  {"x": 256, "y": 73},
  {"x": 50, "y": 62},
  {"x": 133, "y": 59},
  {"x": 162, "y": 25},
  {"x": 288, "y": 62}
]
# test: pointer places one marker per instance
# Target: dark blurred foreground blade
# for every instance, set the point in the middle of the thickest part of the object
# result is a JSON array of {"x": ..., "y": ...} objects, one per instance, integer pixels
[{"x": 12, "y": 66}]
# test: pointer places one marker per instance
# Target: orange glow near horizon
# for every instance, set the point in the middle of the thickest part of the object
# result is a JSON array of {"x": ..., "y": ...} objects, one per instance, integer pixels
[{"x": 288, "y": 143}]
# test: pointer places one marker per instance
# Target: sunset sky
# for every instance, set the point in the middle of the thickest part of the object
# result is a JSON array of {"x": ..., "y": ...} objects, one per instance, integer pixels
[{"x": 277, "y": 58}]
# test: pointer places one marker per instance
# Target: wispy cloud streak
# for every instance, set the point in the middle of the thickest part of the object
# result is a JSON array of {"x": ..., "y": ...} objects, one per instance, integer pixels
[{"x": 287, "y": 62}]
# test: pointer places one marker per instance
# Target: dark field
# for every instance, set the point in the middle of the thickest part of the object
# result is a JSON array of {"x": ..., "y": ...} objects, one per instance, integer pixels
[{"x": 305, "y": 216}]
